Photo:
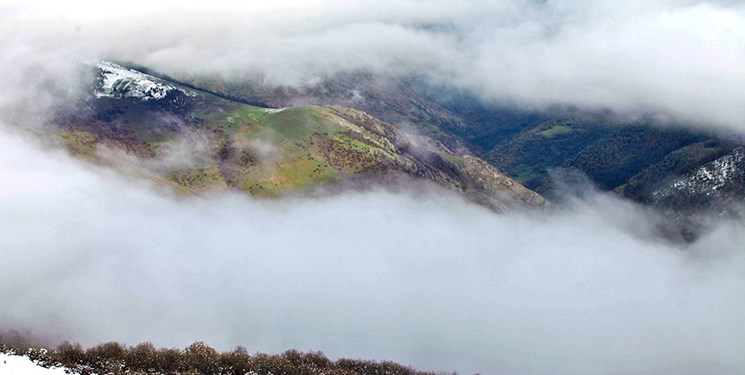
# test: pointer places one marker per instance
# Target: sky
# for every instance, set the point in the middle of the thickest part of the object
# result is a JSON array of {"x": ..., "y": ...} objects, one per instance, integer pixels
[{"x": 424, "y": 278}]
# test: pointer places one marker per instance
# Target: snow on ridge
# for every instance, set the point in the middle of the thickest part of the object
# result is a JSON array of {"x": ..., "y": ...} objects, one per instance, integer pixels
[
  {"x": 118, "y": 81},
  {"x": 709, "y": 178},
  {"x": 20, "y": 364}
]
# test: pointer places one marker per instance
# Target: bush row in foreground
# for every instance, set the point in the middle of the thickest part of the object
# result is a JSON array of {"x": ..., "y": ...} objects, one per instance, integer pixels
[{"x": 197, "y": 358}]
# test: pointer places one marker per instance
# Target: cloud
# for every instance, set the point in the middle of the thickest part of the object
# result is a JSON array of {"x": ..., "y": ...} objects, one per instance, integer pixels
[
  {"x": 426, "y": 279},
  {"x": 190, "y": 149},
  {"x": 683, "y": 60}
]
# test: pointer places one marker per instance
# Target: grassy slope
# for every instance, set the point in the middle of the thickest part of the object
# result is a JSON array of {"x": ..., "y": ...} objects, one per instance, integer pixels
[
  {"x": 228, "y": 144},
  {"x": 271, "y": 153},
  {"x": 524, "y": 144},
  {"x": 260, "y": 151}
]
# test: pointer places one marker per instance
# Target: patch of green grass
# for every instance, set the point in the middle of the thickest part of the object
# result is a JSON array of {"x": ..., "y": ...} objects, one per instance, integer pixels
[
  {"x": 299, "y": 165},
  {"x": 289, "y": 125},
  {"x": 298, "y": 168},
  {"x": 303, "y": 173},
  {"x": 299, "y": 123},
  {"x": 289, "y": 130},
  {"x": 557, "y": 130},
  {"x": 248, "y": 114}
]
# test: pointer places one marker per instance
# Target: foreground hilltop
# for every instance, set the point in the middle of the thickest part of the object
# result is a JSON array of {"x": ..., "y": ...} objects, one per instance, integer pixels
[{"x": 199, "y": 141}]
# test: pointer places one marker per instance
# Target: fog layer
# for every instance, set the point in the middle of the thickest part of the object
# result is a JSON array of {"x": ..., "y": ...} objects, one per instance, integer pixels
[
  {"x": 431, "y": 281},
  {"x": 677, "y": 59}
]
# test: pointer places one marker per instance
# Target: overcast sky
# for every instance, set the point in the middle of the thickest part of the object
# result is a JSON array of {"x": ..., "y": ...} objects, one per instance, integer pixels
[{"x": 425, "y": 279}]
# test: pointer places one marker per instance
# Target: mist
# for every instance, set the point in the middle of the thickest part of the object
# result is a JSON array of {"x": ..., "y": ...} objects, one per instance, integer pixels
[
  {"x": 678, "y": 60},
  {"x": 425, "y": 278},
  {"x": 429, "y": 280}
]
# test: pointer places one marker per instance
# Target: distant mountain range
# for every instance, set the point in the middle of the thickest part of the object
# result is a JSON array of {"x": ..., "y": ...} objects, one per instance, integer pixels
[
  {"x": 205, "y": 133},
  {"x": 637, "y": 158}
]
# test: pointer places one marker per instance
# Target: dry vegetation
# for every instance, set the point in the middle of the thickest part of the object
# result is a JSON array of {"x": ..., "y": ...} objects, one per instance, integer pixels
[{"x": 197, "y": 358}]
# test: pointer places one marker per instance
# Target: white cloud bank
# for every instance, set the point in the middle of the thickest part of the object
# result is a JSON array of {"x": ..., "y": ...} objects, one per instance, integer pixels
[
  {"x": 679, "y": 59},
  {"x": 430, "y": 281}
]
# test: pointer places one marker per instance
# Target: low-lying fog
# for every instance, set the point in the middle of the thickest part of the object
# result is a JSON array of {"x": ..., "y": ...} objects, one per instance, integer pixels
[{"x": 428, "y": 280}]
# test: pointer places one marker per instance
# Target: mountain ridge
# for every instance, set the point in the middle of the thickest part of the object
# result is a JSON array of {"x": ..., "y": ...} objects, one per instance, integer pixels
[
  {"x": 629, "y": 157},
  {"x": 623, "y": 154},
  {"x": 200, "y": 142}
]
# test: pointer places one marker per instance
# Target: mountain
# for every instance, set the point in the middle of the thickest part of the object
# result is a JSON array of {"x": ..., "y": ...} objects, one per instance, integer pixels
[
  {"x": 363, "y": 129},
  {"x": 633, "y": 157},
  {"x": 710, "y": 185},
  {"x": 199, "y": 140}
]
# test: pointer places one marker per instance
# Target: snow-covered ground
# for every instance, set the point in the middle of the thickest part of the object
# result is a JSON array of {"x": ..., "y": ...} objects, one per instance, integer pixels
[
  {"x": 118, "y": 81},
  {"x": 709, "y": 179},
  {"x": 22, "y": 365}
]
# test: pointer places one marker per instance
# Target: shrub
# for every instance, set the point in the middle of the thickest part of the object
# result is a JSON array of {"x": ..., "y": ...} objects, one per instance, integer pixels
[
  {"x": 72, "y": 356},
  {"x": 198, "y": 358},
  {"x": 169, "y": 360},
  {"x": 107, "y": 358},
  {"x": 142, "y": 358},
  {"x": 202, "y": 358},
  {"x": 237, "y": 362}
]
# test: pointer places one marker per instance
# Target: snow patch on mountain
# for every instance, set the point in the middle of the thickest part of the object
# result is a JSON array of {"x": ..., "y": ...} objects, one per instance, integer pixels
[
  {"x": 116, "y": 81},
  {"x": 711, "y": 180}
]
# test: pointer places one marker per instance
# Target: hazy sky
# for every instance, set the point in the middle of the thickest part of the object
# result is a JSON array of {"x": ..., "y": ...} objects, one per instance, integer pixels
[{"x": 425, "y": 279}]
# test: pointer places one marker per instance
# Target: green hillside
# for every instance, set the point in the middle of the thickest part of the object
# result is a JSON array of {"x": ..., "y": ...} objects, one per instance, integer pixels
[{"x": 200, "y": 142}]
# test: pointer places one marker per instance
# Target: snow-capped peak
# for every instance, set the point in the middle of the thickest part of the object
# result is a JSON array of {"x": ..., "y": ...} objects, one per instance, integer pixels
[{"x": 116, "y": 81}]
